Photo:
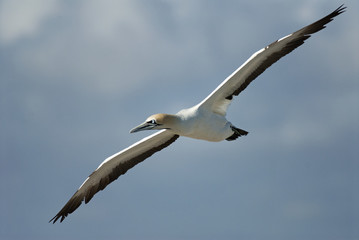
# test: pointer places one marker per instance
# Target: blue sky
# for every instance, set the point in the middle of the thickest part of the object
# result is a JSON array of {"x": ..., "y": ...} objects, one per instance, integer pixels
[{"x": 76, "y": 76}]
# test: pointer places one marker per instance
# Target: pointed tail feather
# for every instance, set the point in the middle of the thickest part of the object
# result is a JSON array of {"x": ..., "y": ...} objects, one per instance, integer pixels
[{"x": 237, "y": 132}]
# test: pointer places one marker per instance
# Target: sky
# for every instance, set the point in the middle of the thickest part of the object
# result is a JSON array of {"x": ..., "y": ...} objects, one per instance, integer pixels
[{"x": 76, "y": 76}]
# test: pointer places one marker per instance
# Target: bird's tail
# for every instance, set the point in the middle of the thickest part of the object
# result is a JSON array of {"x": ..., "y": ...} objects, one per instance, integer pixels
[{"x": 237, "y": 132}]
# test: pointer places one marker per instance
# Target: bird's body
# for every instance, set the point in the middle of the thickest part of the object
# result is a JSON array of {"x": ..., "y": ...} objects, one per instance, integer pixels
[
  {"x": 205, "y": 121},
  {"x": 199, "y": 123}
]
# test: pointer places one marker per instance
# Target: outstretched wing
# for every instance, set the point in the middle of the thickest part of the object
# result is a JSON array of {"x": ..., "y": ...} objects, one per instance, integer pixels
[
  {"x": 219, "y": 100},
  {"x": 114, "y": 166}
]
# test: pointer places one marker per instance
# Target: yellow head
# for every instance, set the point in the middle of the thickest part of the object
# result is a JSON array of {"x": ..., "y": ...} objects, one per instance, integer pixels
[{"x": 157, "y": 121}]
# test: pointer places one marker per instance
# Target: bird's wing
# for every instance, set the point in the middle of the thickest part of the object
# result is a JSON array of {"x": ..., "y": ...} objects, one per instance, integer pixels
[
  {"x": 219, "y": 100},
  {"x": 114, "y": 166}
]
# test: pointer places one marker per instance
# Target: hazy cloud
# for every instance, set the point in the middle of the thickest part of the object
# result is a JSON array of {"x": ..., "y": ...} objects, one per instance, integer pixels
[{"x": 19, "y": 19}]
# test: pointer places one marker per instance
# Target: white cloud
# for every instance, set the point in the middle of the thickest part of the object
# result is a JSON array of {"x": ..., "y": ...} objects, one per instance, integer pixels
[
  {"x": 23, "y": 18},
  {"x": 106, "y": 47},
  {"x": 105, "y": 19}
]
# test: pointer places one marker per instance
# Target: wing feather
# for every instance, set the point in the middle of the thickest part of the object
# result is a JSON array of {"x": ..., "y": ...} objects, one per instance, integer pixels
[
  {"x": 218, "y": 101},
  {"x": 115, "y": 166}
]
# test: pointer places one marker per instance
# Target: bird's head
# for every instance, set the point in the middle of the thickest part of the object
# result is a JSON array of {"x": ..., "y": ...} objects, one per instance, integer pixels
[{"x": 156, "y": 122}]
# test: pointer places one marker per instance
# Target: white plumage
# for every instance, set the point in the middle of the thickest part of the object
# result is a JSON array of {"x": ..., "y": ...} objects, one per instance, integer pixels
[{"x": 206, "y": 121}]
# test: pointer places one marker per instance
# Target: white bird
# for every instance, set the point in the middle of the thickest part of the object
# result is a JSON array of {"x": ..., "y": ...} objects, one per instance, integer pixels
[{"x": 206, "y": 121}]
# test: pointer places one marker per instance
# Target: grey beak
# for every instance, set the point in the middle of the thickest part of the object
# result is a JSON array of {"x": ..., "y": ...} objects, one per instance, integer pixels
[{"x": 142, "y": 127}]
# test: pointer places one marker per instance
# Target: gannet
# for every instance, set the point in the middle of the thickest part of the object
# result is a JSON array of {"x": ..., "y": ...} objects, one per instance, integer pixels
[{"x": 205, "y": 121}]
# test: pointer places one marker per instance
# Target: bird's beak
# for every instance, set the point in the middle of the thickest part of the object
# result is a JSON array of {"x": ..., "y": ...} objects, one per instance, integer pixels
[{"x": 142, "y": 127}]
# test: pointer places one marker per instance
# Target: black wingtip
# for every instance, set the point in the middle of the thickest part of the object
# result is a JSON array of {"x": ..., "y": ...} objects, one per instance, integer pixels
[
  {"x": 340, "y": 9},
  {"x": 57, "y": 217},
  {"x": 54, "y": 219}
]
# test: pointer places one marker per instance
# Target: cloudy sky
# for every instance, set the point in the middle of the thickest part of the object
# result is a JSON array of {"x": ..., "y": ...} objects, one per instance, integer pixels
[{"x": 76, "y": 76}]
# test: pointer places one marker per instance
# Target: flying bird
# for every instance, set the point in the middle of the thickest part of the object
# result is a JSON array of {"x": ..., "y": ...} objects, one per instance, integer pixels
[{"x": 206, "y": 120}]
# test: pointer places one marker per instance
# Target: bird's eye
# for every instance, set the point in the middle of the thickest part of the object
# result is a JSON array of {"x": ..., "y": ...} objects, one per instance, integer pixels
[{"x": 152, "y": 121}]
